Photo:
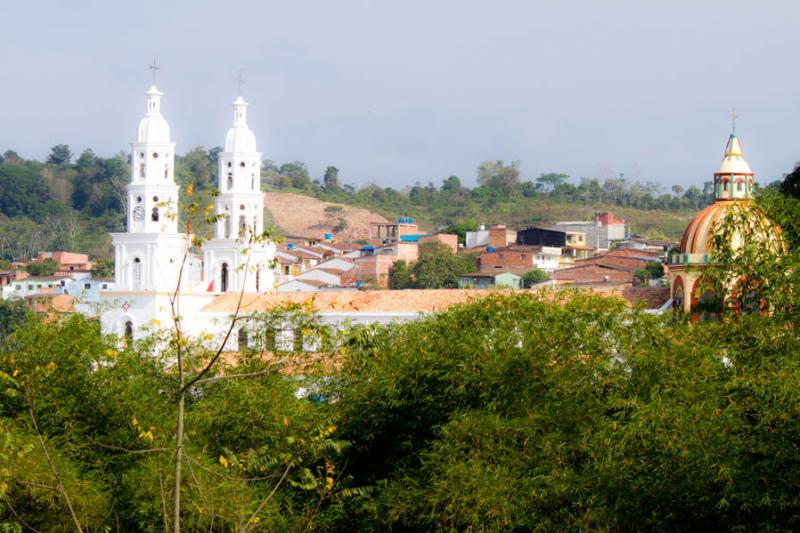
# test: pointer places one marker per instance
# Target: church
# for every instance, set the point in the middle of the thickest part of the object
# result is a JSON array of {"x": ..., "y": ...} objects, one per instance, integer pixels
[
  {"x": 155, "y": 260},
  {"x": 733, "y": 200}
]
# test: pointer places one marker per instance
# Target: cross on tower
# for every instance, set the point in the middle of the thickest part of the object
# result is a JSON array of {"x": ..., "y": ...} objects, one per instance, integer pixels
[
  {"x": 734, "y": 116},
  {"x": 154, "y": 67},
  {"x": 240, "y": 81}
]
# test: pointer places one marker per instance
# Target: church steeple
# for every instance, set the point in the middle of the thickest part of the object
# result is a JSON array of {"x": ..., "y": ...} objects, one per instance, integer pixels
[
  {"x": 734, "y": 179},
  {"x": 153, "y": 193},
  {"x": 240, "y": 201}
]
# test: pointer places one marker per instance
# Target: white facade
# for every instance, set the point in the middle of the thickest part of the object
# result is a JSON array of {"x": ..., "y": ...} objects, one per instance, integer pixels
[
  {"x": 148, "y": 256},
  {"x": 547, "y": 258},
  {"x": 232, "y": 261}
]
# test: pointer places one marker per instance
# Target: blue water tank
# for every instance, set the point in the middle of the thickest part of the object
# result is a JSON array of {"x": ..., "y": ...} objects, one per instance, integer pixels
[
  {"x": 490, "y": 249},
  {"x": 359, "y": 283},
  {"x": 327, "y": 236},
  {"x": 290, "y": 246},
  {"x": 410, "y": 220}
]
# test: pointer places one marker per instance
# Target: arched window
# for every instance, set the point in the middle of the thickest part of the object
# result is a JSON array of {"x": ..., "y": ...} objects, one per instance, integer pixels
[
  {"x": 142, "y": 170},
  {"x": 227, "y": 227},
  {"x": 677, "y": 295},
  {"x": 230, "y": 181},
  {"x": 129, "y": 330},
  {"x": 166, "y": 172},
  {"x": 223, "y": 278},
  {"x": 242, "y": 226},
  {"x": 242, "y": 338},
  {"x": 136, "y": 276},
  {"x": 255, "y": 225},
  {"x": 258, "y": 280},
  {"x": 154, "y": 215}
]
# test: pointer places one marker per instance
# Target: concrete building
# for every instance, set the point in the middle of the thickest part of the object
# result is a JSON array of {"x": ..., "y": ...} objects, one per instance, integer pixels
[{"x": 600, "y": 233}]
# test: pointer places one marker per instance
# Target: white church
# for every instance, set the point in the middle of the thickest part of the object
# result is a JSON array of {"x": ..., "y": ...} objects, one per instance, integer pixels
[{"x": 153, "y": 258}]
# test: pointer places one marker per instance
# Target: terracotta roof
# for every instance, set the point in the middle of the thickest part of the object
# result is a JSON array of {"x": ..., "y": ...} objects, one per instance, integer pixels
[
  {"x": 652, "y": 297},
  {"x": 310, "y": 282},
  {"x": 409, "y": 300},
  {"x": 592, "y": 274}
]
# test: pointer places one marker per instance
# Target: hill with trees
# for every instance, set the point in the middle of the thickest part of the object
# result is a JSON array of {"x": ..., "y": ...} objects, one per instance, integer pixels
[{"x": 73, "y": 203}]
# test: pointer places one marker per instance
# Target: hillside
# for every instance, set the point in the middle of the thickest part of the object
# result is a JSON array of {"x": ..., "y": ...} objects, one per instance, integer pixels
[{"x": 297, "y": 214}]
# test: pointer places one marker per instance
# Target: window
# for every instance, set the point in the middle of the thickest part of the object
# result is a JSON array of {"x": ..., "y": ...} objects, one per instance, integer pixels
[
  {"x": 242, "y": 338},
  {"x": 154, "y": 215},
  {"x": 155, "y": 155},
  {"x": 155, "y": 198},
  {"x": 105, "y": 285},
  {"x": 87, "y": 286},
  {"x": 223, "y": 278},
  {"x": 141, "y": 170},
  {"x": 241, "y": 164},
  {"x": 137, "y": 274},
  {"x": 129, "y": 330},
  {"x": 230, "y": 181},
  {"x": 242, "y": 226},
  {"x": 739, "y": 186},
  {"x": 138, "y": 199}
]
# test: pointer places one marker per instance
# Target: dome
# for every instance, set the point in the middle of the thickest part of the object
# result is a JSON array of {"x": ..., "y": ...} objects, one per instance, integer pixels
[
  {"x": 240, "y": 139},
  {"x": 699, "y": 235},
  {"x": 153, "y": 129}
]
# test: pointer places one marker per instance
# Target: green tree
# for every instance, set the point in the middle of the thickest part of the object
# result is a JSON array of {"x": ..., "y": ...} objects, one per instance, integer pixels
[
  {"x": 461, "y": 229},
  {"x": 297, "y": 173},
  {"x": 60, "y": 154},
  {"x": 500, "y": 179},
  {"x": 438, "y": 267},
  {"x": 550, "y": 182},
  {"x": 45, "y": 267},
  {"x": 331, "y": 178},
  {"x": 533, "y": 277},
  {"x": 103, "y": 268},
  {"x": 400, "y": 275},
  {"x": 452, "y": 185}
]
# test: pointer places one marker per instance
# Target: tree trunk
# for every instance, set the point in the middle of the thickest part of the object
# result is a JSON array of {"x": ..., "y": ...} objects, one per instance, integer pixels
[{"x": 176, "y": 494}]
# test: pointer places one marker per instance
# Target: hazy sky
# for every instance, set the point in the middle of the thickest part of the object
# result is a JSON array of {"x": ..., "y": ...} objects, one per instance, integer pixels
[{"x": 399, "y": 91}]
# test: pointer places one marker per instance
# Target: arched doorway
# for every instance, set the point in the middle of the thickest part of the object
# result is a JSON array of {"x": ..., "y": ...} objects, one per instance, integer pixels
[
  {"x": 223, "y": 278},
  {"x": 128, "y": 330},
  {"x": 242, "y": 339}
]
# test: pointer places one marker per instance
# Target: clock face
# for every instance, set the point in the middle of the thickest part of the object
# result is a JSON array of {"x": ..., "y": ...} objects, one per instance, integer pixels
[{"x": 138, "y": 213}]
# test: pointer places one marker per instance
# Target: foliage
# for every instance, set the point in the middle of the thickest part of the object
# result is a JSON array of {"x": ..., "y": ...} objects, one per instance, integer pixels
[
  {"x": 103, "y": 268},
  {"x": 13, "y": 314},
  {"x": 532, "y": 277},
  {"x": 45, "y": 267},
  {"x": 400, "y": 275},
  {"x": 60, "y": 154},
  {"x": 437, "y": 268},
  {"x": 461, "y": 229}
]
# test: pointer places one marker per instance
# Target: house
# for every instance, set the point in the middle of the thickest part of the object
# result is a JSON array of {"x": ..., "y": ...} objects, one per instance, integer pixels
[
  {"x": 31, "y": 286},
  {"x": 69, "y": 263},
  {"x": 496, "y": 236},
  {"x": 600, "y": 232},
  {"x": 617, "y": 266},
  {"x": 479, "y": 280},
  {"x": 519, "y": 259},
  {"x": 572, "y": 243}
]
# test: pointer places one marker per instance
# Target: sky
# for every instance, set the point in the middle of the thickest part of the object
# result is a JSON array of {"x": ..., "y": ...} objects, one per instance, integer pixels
[{"x": 395, "y": 92}]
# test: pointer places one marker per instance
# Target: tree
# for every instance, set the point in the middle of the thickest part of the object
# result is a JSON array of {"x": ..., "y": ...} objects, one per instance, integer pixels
[
  {"x": 400, "y": 275},
  {"x": 549, "y": 182},
  {"x": 438, "y": 267},
  {"x": 45, "y": 267},
  {"x": 461, "y": 229},
  {"x": 60, "y": 154},
  {"x": 297, "y": 173},
  {"x": 533, "y": 277},
  {"x": 331, "y": 178},
  {"x": 103, "y": 268},
  {"x": 498, "y": 178},
  {"x": 452, "y": 185}
]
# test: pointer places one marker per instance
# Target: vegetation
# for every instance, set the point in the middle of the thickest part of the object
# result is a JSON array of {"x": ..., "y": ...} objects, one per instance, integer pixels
[
  {"x": 45, "y": 267},
  {"x": 437, "y": 268},
  {"x": 532, "y": 277}
]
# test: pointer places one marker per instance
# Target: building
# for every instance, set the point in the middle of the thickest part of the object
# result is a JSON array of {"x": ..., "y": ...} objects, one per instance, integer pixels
[
  {"x": 519, "y": 259},
  {"x": 479, "y": 280},
  {"x": 600, "y": 233},
  {"x": 496, "y": 236},
  {"x": 733, "y": 197},
  {"x": 69, "y": 264},
  {"x": 572, "y": 243},
  {"x": 152, "y": 258},
  {"x": 148, "y": 256},
  {"x": 236, "y": 258}
]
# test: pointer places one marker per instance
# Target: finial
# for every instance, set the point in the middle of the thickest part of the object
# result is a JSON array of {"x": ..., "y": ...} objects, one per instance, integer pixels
[
  {"x": 240, "y": 81},
  {"x": 154, "y": 67},
  {"x": 734, "y": 116}
]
